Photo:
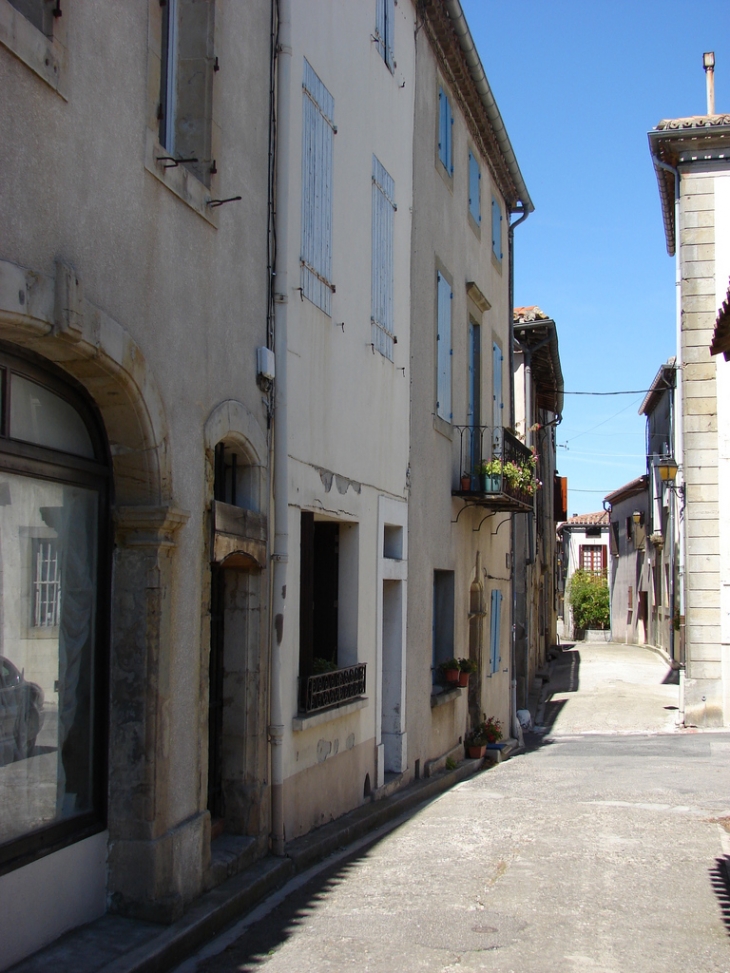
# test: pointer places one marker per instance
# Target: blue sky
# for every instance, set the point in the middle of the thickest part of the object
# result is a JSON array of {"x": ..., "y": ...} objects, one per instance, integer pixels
[{"x": 579, "y": 84}]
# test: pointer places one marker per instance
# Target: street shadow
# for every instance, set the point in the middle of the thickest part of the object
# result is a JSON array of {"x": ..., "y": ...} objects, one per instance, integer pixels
[
  {"x": 721, "y": 888},
  {"x": 267, "y": 935},
  {"x": 564, "y": 678},
  {"x": 671, "y": 678}
]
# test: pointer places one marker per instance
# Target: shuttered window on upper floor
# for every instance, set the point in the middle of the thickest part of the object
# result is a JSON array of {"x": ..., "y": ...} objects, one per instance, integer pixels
[
  {"x": 384, "y": 25},
  {"x": 446, "y": 124},
  {"x": 318, "y": 129},
  {"x": 475, "y": 179},
  {"x": 496, "y": 228},
  {"x": 381, "y": 315},
  {"x": 443, "y": 343}
]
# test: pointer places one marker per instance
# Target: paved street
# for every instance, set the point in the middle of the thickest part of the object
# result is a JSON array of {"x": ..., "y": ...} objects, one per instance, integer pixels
[{"x": 597, "y": 851}]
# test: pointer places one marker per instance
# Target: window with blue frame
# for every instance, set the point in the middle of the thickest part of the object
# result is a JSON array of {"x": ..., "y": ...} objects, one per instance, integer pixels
[
  {"x": 495, "y": 619},
  {"x": 446, "y": 124},
  {"x": 443, "y": 343},
  {"x": 384, "y": 29},
  {"x": 496, "y": 228},
  {"x": 475, "y": 179}
]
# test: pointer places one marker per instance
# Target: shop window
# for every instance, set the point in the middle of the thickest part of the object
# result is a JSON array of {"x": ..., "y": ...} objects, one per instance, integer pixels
[{"x": 53, "y": 602}]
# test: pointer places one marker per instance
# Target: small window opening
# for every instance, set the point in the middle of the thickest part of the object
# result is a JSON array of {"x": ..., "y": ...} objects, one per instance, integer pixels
[
  {"x": 40, "y": 13},
  {"x": 234, "y": 477},
  {"x": 393, "y": 542}
]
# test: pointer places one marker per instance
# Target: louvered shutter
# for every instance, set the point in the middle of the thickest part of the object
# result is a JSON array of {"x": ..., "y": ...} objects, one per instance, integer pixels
[
  {"x": 317, "y": 152},
  {"x": 381, "y": 314},
  {"x": 443, "y": 341}
]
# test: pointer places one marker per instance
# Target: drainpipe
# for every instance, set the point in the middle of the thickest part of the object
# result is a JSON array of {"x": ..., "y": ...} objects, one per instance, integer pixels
[
  {"x": 280, "y": 556},
  {"x": 516, "y": 728},
  {"x": 678, "y": 426}
]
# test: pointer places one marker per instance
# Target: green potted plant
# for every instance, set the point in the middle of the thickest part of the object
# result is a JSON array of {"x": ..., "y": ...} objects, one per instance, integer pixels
[
  {"x": 450, "y": 670},
  {"x": 490, "y": 475},
  {"x": 466, "y": 668},
  {"x": 465, "y": 482},
  {"x": 320, "y": 665},
  {"x": 475, "y": 742}
]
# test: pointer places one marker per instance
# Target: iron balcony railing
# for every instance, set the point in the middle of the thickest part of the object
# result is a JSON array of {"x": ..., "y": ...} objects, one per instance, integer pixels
[
  {"x": 495, "y": 446},
  {"x": 334, "y": 688}
]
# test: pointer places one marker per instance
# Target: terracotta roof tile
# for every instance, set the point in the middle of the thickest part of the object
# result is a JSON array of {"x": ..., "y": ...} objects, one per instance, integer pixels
[{"x": 587, "y": 520}]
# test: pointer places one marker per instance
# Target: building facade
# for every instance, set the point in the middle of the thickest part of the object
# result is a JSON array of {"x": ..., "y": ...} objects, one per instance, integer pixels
[
  {"x": 633, "y": 601},
  {"x": 693, "y": 173},
  {"x": 133, "y": 454},
  {"x": 538, "y": 384},
  {"x": 583, "y": 543}
]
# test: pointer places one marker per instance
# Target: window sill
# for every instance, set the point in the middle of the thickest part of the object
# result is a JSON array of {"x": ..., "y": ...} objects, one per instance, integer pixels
[
  {"x": 300, "y": 723},
  {"x": 447, "y": 696},
  {"x": 179, "y": 180},
  {"x": 443, "y": 427},
  {"x": 44, "y": 56}
]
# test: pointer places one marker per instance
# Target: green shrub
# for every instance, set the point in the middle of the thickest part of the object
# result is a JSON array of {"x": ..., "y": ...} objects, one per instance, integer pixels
[{"x": 588, "y": 596}]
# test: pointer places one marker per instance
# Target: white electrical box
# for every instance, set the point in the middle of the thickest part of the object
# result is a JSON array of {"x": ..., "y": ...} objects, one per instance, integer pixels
[{"x": 266, "y": 363}]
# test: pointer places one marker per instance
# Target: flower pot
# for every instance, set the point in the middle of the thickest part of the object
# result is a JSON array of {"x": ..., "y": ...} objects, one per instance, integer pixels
[
  {"x": 451, "y": 675},
  {"x": 463, "y": 679},
  {"x": 474, "y": 752},
  {"x": 490, "y": 484},
  {"x": 465, "y": 484}
]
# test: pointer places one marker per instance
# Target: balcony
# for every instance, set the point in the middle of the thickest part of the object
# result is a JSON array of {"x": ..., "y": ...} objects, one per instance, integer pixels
[
  {"x": 496, "y": 470},
  {"x": 327, "y": 689}
]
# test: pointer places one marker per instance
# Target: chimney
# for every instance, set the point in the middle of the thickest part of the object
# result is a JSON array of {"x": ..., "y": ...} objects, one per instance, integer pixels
[{"x": 708, "y": 60}]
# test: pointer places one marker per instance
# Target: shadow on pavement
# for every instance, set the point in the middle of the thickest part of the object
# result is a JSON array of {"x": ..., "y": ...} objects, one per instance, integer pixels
[
  {"x": 721, "y": 888},
  {"x": 564, "y": 678},
  {"x": 671, "y": 678},
  {"x": 268, "y": 934}
]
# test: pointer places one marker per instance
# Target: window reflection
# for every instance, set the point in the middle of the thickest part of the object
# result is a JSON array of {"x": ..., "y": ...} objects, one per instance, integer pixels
[{"x": 48, "y": 570}]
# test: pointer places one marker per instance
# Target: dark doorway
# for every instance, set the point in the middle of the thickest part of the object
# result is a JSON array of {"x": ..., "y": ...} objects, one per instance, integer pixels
[
  {"x": 216, "y": 804},
  {"x": 319, "y": 584}
]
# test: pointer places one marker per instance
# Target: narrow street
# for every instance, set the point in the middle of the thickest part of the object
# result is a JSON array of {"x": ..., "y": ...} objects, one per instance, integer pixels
[{"x": 598, "y": 850}]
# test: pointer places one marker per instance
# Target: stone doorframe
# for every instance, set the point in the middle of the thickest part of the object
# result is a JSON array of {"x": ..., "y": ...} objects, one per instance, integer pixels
[{"x": 156, "y": 862}]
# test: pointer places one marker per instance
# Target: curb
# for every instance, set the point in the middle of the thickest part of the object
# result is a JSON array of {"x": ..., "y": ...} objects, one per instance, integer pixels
[{"x": 216, "y": 909}]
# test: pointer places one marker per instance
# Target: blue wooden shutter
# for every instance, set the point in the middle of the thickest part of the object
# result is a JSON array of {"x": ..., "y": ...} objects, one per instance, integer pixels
[
  {"x": 390, "y": 34},
  {"x": 443, "y": 341},
  {"x": 494, "y": 628},
  {"x": 381, "y": 314},
  {"x": 475, "y": 207},
  {"x": 317, "y": 150},
  {"x": 496, "y": 228},
  {"x": 446, "y": 121}
]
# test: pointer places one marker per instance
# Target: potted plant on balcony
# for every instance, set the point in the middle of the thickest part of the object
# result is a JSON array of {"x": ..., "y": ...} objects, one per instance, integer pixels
[
  {"x": 466, "y": 668},
  {"x": 490, "y": 475},
  {"x": 476, "y": 742},
  {"x": 450, "y": 670},
  {"x": 465, "y": 483}
]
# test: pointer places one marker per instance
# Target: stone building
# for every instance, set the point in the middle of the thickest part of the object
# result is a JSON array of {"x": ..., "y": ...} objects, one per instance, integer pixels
[
  {"x": 538, "y": 384},
  {"x": 690, "y": 157},
  {"x": 582, "y": 543},
  {"x": 466, "y": 188},
  {"x": 633, "y": 599},
  {"x": 133, "y": 454}
]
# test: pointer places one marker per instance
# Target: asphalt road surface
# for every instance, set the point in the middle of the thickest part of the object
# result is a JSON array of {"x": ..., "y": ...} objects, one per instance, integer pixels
[{"x": 600, "y": 850}]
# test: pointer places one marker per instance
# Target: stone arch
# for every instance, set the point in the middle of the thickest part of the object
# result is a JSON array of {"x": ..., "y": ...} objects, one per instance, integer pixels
[{"x": 51, "y": 318}]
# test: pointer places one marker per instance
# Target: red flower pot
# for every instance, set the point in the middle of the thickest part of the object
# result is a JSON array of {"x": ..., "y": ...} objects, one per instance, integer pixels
[
  {"x": 463, "y": 679},
  {"x": 452, "y": 675},
  {"x": 476, "y": 752}
]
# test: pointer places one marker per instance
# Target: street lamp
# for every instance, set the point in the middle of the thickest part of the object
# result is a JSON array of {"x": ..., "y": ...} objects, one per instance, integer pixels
[{"x": 667, "y": 467}]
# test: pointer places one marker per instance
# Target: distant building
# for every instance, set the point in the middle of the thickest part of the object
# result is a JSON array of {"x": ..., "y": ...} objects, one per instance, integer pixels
[
  {"x": 630, "y": 571},
  {"x": 664, "y": 513},
  {"x": 582, "y": 543},
  {"x": 538, "y": 382}
]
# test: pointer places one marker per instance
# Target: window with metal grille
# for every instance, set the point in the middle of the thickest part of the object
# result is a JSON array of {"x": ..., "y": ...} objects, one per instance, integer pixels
[
  {"x": 446, "y": 123},
  {"x": 475, "y": 179},
  {"x": 443, "y": 342},
  {"x": 318, "y": 129},
  {"x": 381, "y": 315},
  {"x": 46, "y": 584},
  {"x": 384, "y": 28}
]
